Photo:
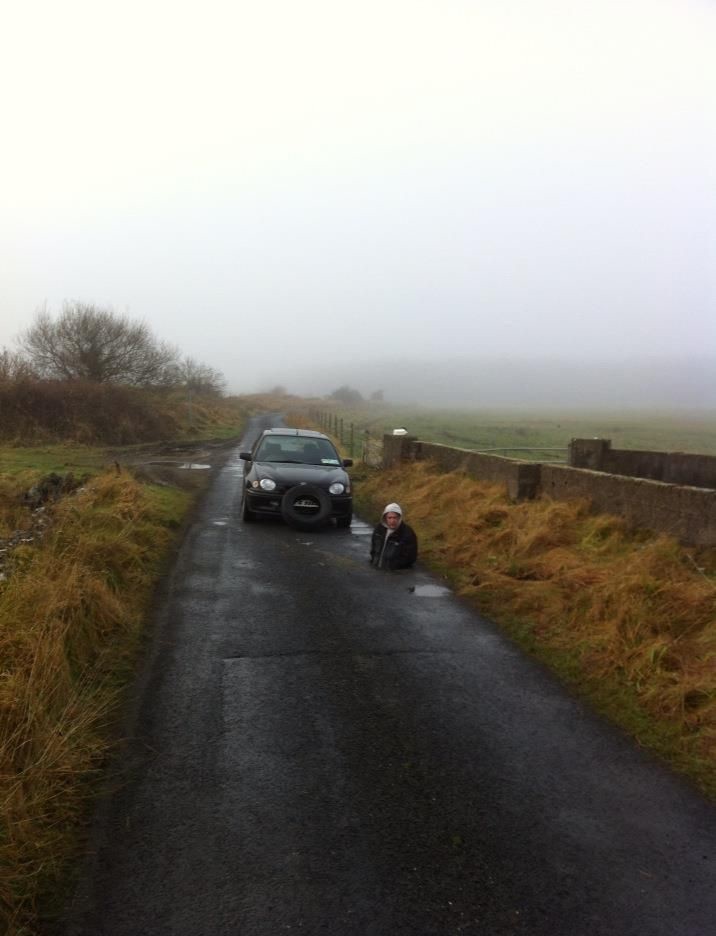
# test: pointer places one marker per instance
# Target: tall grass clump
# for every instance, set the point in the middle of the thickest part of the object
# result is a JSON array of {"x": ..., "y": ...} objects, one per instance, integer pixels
[
  {"x": 628, "y": 617},
  {"x": 47, "y": 411},
  {"x": 13, "y": 514},
  {"x": 71, "y": 611}
]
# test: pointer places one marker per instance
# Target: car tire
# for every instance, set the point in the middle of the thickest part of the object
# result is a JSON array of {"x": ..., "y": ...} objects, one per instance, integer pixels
[
  {"x": 248, "y": 516},
  {"x": 297, "y": 515},
  {"x": 344, "y": 522}
]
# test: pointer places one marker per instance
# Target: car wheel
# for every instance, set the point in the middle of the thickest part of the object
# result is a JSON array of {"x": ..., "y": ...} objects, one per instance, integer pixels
[
  {"x": 344, "y": 522},
  {"x": 305, "y": 506},
  {"x": 248, "y": 516}
]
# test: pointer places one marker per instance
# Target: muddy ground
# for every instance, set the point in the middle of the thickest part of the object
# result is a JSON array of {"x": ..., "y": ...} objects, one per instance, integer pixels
[{"x": 186, "y": 465}]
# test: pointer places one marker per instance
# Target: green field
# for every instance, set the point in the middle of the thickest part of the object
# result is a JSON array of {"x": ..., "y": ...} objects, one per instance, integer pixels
[
  {"x": 46, "y": 458},
  {"x": 512, "y": 430}
]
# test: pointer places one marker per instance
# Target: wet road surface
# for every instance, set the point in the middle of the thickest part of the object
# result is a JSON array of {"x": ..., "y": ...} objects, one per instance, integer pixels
[{"x": 319, "y": 747}]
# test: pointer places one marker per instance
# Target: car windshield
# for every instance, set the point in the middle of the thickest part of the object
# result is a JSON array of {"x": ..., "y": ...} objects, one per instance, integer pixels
[{"x": 297, "y": 450}]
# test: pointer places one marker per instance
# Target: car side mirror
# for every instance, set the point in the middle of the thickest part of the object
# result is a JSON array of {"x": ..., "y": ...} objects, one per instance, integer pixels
[
  {"x": 347, "y": 462},
  {"x": 245, "y": 456}
]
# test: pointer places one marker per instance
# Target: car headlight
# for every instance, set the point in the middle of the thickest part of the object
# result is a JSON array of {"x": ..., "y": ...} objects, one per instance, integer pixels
[
  {"x": 336, "y": 488},
  {"x": 267, "y": 484}
]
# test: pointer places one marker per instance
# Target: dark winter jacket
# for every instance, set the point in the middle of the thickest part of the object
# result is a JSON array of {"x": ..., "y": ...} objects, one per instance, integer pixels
[{"x": 399, "y": 551}]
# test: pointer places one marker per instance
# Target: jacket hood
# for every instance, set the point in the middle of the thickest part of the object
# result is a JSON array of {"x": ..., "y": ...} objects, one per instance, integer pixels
[{"x": 392, "y": 508}]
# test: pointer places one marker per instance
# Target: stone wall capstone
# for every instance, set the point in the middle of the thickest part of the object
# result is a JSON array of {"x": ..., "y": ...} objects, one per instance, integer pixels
[{"x": 672, "y": 467}]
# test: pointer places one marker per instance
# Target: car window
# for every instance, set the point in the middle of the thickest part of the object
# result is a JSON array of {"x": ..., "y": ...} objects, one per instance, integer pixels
[
  {"x": 298, "y": 449},
  {"x": 327, "y": 455},
  {"x": 269, "y": 451}
]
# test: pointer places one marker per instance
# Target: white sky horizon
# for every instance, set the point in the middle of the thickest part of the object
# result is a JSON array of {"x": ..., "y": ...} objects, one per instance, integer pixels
[{"x": 292, "y": 184}]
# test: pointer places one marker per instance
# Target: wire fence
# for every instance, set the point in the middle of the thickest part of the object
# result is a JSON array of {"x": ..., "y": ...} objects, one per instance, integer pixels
[
  {"x": 553, "y": 454},
  {"x": 360, "y": 443}
]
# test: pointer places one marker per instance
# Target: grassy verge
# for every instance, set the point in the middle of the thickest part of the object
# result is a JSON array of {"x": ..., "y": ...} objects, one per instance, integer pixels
[
  {"x": 629, "y": 619},
  {"x": 38, "y": 412},
  {"x": 71, "y": 612},
  {"x": 39, "y": 460},
  {"x": 73, "y": 597}
]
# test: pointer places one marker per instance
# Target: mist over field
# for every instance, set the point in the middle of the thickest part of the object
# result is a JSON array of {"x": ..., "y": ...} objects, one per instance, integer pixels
[
  {"x": 316, "y": 193},
  {"x": 516, "y": 382}
]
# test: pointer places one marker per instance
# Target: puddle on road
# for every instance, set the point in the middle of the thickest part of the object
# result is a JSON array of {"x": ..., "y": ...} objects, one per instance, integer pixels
[
  {"x": 173, "y": 464},
  {"x": 429, "y": 591},
  {"x": 358, "y": 528}
]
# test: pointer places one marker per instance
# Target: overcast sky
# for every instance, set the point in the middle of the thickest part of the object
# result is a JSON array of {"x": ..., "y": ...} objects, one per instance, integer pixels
[{"x": 276, "y": 187}]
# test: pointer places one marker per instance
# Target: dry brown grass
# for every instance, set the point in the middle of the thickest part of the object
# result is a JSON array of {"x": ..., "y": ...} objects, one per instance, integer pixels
[
  {"x": 626, "y": 615},
  {"x": 13, "y": 514},
  {"x": 71, "y": 615},
  {"x": 36, "y": 412}
]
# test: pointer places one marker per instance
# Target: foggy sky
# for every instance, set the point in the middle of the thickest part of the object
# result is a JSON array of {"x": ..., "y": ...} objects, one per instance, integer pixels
[{"x": 286, "y": 189}]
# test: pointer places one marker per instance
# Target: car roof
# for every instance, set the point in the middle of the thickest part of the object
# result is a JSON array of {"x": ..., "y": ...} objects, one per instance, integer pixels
[{"x": 287, "y": 431}]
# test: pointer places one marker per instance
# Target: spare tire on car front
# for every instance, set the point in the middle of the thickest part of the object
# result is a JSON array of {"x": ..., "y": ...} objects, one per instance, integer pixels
[{"x": 305, "y": 506}]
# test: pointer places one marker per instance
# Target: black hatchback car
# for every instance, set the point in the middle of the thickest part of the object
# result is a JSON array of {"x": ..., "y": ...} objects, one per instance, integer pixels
[{"x": 299, "y": 475}]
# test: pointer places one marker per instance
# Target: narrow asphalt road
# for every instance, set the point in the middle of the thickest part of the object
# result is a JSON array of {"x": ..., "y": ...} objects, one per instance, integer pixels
[{"x": 319, "y": 747}]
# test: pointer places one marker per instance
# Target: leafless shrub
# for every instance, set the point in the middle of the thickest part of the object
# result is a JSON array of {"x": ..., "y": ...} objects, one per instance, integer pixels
[
  {"x": 86, "y": 342},
  {"x": 46, "y": 410},
  {"x": 200, "y": 378},
  {"x": 14, "y": 366}
]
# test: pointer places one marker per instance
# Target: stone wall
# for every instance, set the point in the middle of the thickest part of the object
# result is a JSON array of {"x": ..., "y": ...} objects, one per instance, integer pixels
[
  {"x": 670, "y": 467},
  {"x": 688, "y": 513},
  {"x": 397, "y": 448},
  {"x": 521, "y": 478}
]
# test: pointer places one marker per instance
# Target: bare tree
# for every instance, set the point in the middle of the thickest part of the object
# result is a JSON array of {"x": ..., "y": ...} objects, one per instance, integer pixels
[
  {"x": 14, "y": 366},
  {"x": 91, "y": 343},
  {"x": 200, "y": 378}
]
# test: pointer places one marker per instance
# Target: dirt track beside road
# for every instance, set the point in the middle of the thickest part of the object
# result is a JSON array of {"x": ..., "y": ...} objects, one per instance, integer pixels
[{"x": 185, "y": 465}]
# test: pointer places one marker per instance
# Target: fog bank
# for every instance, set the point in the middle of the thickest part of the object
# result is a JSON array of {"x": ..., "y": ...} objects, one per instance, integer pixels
[{"x": 515, "y": 382}]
